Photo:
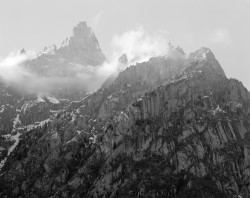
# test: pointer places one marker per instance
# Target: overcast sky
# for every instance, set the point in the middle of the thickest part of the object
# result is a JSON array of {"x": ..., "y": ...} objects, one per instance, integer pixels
[{"x": 221, "y": 25}]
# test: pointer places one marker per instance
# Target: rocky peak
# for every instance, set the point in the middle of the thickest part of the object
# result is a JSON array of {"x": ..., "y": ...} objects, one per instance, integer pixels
[
  {"x": 83, "y": 37},
  {"x": 121, "y": 65},
  {"x": 50, "y": 50},
  {"x": 170, "y": 47},
  {"x": 81, "y": 29},
  {"x": 123, "y": 59},
  {"x": 175, "y": 52},
  {"x": 203, "y": 61},
  {"x": 202, "y": 53},
  {"x": 22, "y": 51},
  {"x": 180, "y": 50},
  {"x": 82, "y": 47}
]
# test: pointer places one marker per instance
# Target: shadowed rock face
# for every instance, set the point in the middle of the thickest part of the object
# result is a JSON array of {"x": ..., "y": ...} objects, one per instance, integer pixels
[
  {"x": 34, "y": 111},
  {"x": 174, "y": 126},
  {"x": 9, "y": 99}
]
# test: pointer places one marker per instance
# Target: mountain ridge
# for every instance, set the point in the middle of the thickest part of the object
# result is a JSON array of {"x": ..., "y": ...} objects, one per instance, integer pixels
[{"x": 173, "y": 126}]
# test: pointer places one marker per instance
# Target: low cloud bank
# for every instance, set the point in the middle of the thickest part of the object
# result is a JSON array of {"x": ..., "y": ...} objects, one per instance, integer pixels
[{"x": 138, "y": 45}]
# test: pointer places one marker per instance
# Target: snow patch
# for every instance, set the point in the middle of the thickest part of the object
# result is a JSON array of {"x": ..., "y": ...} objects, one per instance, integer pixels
[
  {"x": 93, "y": 139},
  {"x": 39, "y": 99},
  {"x": 16, "y": 139},
  {"x": 38, "y": 124},
  {"x": 16, "y": 121},
  {"x": 219, "y": 110},
  {"x": 53, "y": 100}
]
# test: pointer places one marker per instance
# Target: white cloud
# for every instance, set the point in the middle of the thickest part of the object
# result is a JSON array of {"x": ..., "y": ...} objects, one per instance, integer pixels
[
  {"x": 221, "y": 36},
  {"x": 89, "y": 78},
  {"x": 139, "y": 45},
  {"x": 96, "y": 21},
  {"x": 10, "y": 69}
]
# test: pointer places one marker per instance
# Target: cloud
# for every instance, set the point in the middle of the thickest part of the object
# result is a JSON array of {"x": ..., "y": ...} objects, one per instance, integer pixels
[
  {"x": 14, "y": 72},
  {"x": 221, "y": 36},
  {"x": 139, "y": 45},
  {"x": 10, "y": 69},
  {"x": 96, "y": 20}
]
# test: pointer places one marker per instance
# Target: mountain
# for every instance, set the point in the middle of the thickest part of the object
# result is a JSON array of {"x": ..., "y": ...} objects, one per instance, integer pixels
[
  {"x": 81, "y": 48},
  {"x": 61, "y": 68},
  {"x": 173, "y": 126}
]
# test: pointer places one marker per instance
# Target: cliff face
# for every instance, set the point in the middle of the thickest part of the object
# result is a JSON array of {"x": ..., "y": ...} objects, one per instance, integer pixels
[
  {"x": 174, "y": 126},
  {"x": 186, "y": 138},
  {"x": 193, "y": 126}
]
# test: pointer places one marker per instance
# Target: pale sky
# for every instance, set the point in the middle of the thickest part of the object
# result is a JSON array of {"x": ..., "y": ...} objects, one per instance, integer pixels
[{"x": 221, "y": 25}]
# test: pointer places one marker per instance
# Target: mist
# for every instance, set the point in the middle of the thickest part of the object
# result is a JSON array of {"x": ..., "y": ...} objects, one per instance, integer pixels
[
  {"x": 137, "y": 44},
  {"x": 140, "y": 46}
]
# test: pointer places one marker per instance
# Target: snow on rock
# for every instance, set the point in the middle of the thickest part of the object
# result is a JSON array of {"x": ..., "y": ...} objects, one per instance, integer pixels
[
  {"x": 2, "y": 108},
  {"x": 53, "y": 100},
  {"x": 219, "y": 110},
  {"x": 40, "y": 99},
  {"x": 93, "y": 139},
  {"x": 2, "y": 163},
  {"x": 16, "y": 121},
  {"x": 38, "y": 124},
  {"x": 16, "y": 139}
]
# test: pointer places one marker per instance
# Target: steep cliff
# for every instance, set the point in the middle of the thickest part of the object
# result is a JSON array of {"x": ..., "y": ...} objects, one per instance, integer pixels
[{"x": 184, "y": 139}]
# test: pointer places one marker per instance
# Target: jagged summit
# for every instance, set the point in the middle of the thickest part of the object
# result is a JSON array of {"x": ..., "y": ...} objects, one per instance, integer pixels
[
  {"x": 170, "y": 46},
  {"x": 175, "y": 52},
  {"x": 22, "y": 51},
  {"x": 50, "y": 50},
  {"x": 202, "y": 53},
  {"x": 204, "y": 61},
  {"x": 123, "y": 59},
  {"x": 82, "y": 47},
  {"x": 81, "y": 28},
  {"x": 121, "y": 65},
  {"x": 82, "y": 37}
]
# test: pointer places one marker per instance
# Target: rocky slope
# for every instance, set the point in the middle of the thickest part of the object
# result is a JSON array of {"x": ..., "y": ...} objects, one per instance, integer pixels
[{"x": 147, "y": 134}]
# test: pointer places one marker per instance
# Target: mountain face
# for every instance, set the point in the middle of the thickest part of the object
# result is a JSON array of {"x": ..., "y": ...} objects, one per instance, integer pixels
[
  {"x": 174, "y": 126},
  {"x": 81, "y": 48}
]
